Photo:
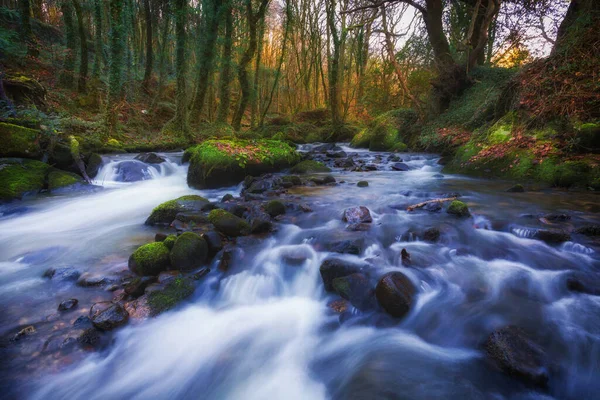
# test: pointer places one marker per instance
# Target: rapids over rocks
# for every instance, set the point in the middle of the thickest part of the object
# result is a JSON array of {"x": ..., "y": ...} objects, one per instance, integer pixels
[{"x": 267, "y": 329}]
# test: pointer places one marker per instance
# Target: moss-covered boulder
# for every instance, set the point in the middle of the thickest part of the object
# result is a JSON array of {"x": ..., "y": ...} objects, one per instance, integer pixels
[
  {"x": 189, "y": 251},
  {"x": 362, "y": 184},
  {"x": 385, "y": 132},
  {"x": 58, "y": 179},
  {"x": 18, "y": 141},
  {"x": 19, "y": 177},
  {"x": 93, "y": 164},
  {"x": 458, "y": 208},
  {"x": 170, "y": 241},
  {"x": 309, "y": 167},
  {"x": 166, "y": 212},
  {"x": 228, "y": 223},
  {"x": 170, "y": 294},
  {"x": 150, "y": 259},
  {"x": 275, "y": 208},
  {"x": 216, "y": 163}
]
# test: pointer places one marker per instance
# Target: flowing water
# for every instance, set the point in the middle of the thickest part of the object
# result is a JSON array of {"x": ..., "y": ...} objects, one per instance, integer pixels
[{"x": 264, "y": 329}]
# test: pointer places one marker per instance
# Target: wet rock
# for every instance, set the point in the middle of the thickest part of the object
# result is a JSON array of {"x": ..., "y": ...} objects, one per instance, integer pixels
[
  {"x": 305, "y": 208},
  {"x": 344, "y": 163},
  {"x": 338, "y": 306},
  {"x": 139, "y": 308},
  {"x": 228, "y": 224},
  {"x": 351, "y": 246},
  {"x": 431, "y": 235},
  {"x": 236, "y": 209},
  {"x": 362, "y": 184},
  {"x": 296, "y": 255},
  {"x": 275, "y": 208},
  {"x": 136, "y": 287},
  {"x": 150, "y": 259},
  {"x": 150, "y": 158},
  {"x": 62, "y": 274},
  {"x": 160, "y": 237},
  {"x": 132, "y": 171},
  {"x": 107, "y": 315},
  {"x": 67, "y": 304},
  {"x": 589, "y": 230},
  {"x": 459, "y": 209},
  {"x": 513, "y": 352},
  {"x": 290, "y": 180},
  {"x": 518, "y": 188},
  {"x": 88, "y": 336},
  {"x": 433, "y": 207},
  {"x": 93, "y": 165},
  {"x": 357, "y": 215},
  {"x": 322, "y": 180},
  {"x": 27, "y": 331},
  {"x": 358, "y": 227},
  {"x": 554, "y": 217},
  {"x": 322, "y": 148},
  {"x": 355, "y": 288},
  {"x": 166, "y": 212},
  {"x": 400, "y": 167},
  {"x": 82, "y": 322},
  {"x": 395, "y": 293},
  {"x": 336, "y": 268},
  {"x": 227, "y": 257},
  {"x": 405, "y": 257},
  {"x": 189, "y": 251},
  {"x": 309, "y": 167},
  {"x": 227, "y": 197},
  {"x": 394, "y": 158},
  {"x": 93, "y": 280},
  {"x": 258, "y": 220},
  {"x": 438, "y": 176},
  {"x": 336, "y": 154},
  {"x": 553, "y": 236},
  {"x": 163, "y": 297},
  {"x": 192, "y": 218},
  {"x": 583, "y": 282},
  {"x": 214, "y": 241}
]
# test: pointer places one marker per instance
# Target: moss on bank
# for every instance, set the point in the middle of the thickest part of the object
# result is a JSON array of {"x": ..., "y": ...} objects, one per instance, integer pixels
[
  {"x": 309, "y": 167},
  {"x": 20, "y": 176},
  {"x": 18, "y": 141},
  {"x": 386, "y": 132},
  {"x": 59, "y": 179},
  {"x": 216, "y": 163}
]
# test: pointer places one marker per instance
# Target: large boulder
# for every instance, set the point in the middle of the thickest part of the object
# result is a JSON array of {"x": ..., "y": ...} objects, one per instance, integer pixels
[
  {"x": 18, "y": 141},
  {"x": 228, "y": 224},
  {"x": 150, "y": 158},
  {"x": 337, "y": 268},
  {"x": 553, "y": 236},
  {"x": 357, "y": 215},
  {"x": 189, "y": 251},
  {"x": 132, "y": 171},
  {"x": 61, "y": 180},
  {"x": 395, "y": 293},
  {"x": 107, "y": 315},
  {"x": 516, "y": 354},
  {"x": 166, "y": 212},
  {"x": 217, "y": 163},
  {"x": 309, "y": 167},
  {"x": 150, "y": 259},
  {"x": 19, "y": 177},
  {"x": 355, "y": 288}
]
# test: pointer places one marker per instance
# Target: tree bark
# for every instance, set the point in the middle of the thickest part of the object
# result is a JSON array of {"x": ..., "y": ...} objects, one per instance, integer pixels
[
  {"x": 149, "y": 51},
  {"x": 576, "y": 10},
  {"x": 83, "y": 55},
  {"x": 225, "y": 77}
]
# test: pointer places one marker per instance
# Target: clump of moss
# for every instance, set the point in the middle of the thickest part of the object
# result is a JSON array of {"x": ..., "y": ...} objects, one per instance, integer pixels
[
  {"x": 20, "y": 176},
  {"x": 275, "y": 208},
  {"x": 172, "y": 294},
  {"x": 150, "y": 259},
  {"x": 228, "y": 223},
  {"x": 58, "y": 179},
  {"x": 458, "y": 208},
  {"x": 166, "y": 212},
  {"x": 309, "y": 167},
  {"x": 18, "y": 141},
  {"x": 170, "y": 241},
  {"x": 189, "y": 251},
  {"x": 216, "y": 163}
]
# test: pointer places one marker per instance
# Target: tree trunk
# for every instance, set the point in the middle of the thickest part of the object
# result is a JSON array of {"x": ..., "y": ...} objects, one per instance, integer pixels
[
  {"x": 577, "y": 9},
  {"x": 69, "y": 62},
  {"x": 254, "y": 93},
  {"x": 334, "y": 65},
  {"x": 149, "y": 53},
  {"x": 225, "y": 77},
  {"x": 25, "y": 10},
  {"x": 83, "y": 56},
  {"x": 98, "y": 45},
  {"x": 117, "y": 47}
]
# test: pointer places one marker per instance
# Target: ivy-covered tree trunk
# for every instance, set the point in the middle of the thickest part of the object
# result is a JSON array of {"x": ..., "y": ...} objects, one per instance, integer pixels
[
  {"x": 69, "y": 62},
  {"x": 225, "y": 76},
  {"x": 98, "y": 45},
  {"x": 117, "y": 46},
  {"x": 149, "y": 53},
  {"x": 83, "y": 55},
  {"x": 206, "y": 53}
]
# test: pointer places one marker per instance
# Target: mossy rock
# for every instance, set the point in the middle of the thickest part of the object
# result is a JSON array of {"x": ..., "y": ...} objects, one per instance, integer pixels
[
  {"x": 19, "y": 177},
  {"x": 170, "y": 241},
  {"x": 93, "y": 165},
  {"x": 458, "y": 208},
  {"x": 217, "y": 163},
  {"x": 228, "y": 223},
  {"x": 309, "y": 167},
  {"x": 362, "y": 184},
  {"x": 189, "y": 251},
  {"x": 166, "y": 212},
  {"x": 58, "y": 179},
  {"x": 18, "y": 141},
  {"x": 275, "y": 208},
  {"x": 170, "y": 295},
  {"x": 150, "y": 259}
]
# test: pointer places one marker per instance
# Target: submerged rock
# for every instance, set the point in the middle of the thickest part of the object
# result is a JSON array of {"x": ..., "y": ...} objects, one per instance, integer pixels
[
  {"x": 357, "y": 215},
  {"x": 62, "y": 274},
  {"x": 355, "y": 288},
  {"x": 589, "y": 230},
  {"x": 431, "y": 235},
  {"x": 552, "y": 235},
  {"x": 67, "y": 304},
  {"x": 132, "y": 171},
  {"x": 517, "y": 355},
  {"x": 107, "y": 315},
  {"x": 395, "y": 293},
  {"x": 399, "y": 166},
  {"x": 336, "y": 268},
  {"x": 518, "y": 188}
]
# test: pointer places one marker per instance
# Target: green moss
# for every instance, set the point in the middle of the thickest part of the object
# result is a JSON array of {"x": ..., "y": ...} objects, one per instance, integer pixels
[
  {"x": 172, "y": 294},
  {"x": 275, "y": 208},
  {"x": 189, "y": 251},
  {"x": 166, "y": 212},
  {"x": 18, "y": 141},
  {"x": 385, "y": 132},
  {"x": 362, "y": 184},
  {"x": 228, "y": 223},
  {"x": 170, "y": 241},
  {"x": 20, "y": 176},
  {"x": 501, "y": 131},
  {"x": 216, "y": 163},
  {"x": 114, "y": 143},
  {"x": 309, "y": 167},
  {"x": 216, "y": 131},
  {"x": 361, "y": 140},
  {"x": 458, "y": 208},
  {"x": 58, "y": 179},
  {"x": 150, "y": 259}
]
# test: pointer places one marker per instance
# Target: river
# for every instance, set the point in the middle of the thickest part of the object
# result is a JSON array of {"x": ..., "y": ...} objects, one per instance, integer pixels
[{"x": 264, "y": 329}]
